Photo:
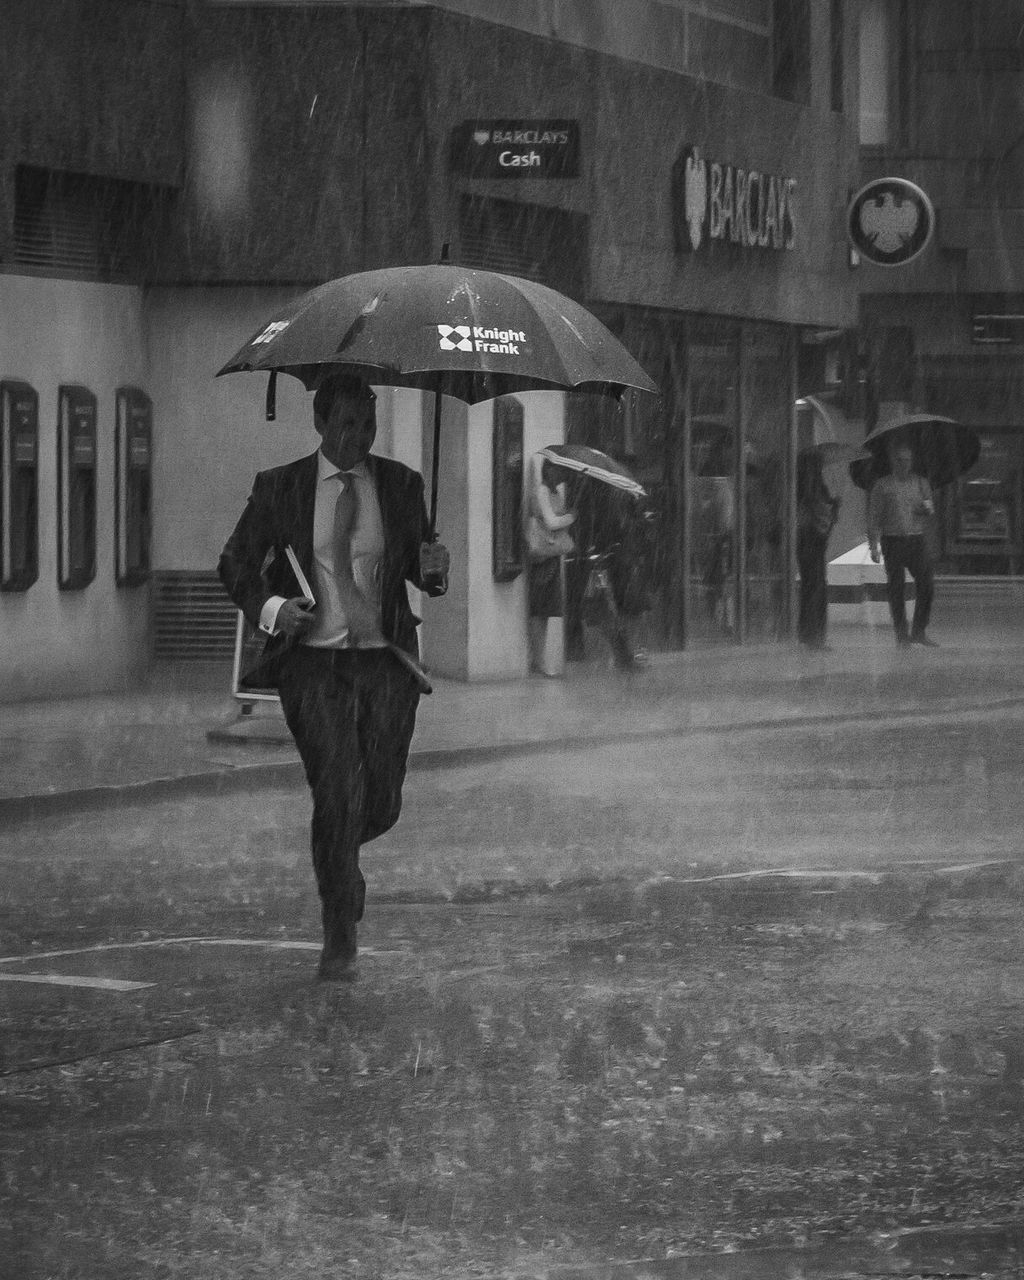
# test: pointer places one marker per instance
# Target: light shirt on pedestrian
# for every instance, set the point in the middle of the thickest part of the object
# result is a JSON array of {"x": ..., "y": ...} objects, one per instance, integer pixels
[{"x": 894, "y": 507}]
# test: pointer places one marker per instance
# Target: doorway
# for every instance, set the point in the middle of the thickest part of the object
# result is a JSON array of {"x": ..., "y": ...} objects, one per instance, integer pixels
[{"x": 715, "y": 453}]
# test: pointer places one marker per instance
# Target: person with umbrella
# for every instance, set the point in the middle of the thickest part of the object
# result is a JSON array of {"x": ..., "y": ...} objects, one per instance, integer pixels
[
  {"x": 608, "y": 572},
  {"x": 548, "y": 540},
  {"x": 899, "y": 507},
  {"x": 350, "y": 529},
  {"x": 817, "y": 511}
]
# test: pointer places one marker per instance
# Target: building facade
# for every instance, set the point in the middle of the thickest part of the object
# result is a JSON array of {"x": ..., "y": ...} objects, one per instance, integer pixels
[
  {"x": 684, "y": 174},
  {"x": 942, "y": 104}
]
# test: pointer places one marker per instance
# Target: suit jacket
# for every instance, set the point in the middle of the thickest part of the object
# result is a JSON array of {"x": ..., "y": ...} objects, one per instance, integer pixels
[{"x": 279, "y": 513}]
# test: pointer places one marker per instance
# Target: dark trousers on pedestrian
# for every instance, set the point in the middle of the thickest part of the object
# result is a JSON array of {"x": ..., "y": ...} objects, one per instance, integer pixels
[
  {"x": 352, "y": 713},
  {"x": 902, "y": 556},
  {"x": 812, "y": 621}
]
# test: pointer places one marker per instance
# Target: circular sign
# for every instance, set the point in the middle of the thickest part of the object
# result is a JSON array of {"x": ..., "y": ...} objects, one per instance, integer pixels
[{"x": 890, "y": 221}]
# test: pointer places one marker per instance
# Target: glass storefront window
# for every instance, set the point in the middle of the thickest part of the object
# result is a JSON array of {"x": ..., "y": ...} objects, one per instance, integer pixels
[
  {"x": 767, "y": 378},
  {"x": 714, "y": 454},
  {"x": 713, "y": 414}
]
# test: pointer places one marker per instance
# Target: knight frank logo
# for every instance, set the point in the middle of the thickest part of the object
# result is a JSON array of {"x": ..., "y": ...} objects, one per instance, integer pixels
[
  {"x": 454, "y": 338},
  {"x": 464, "y": 337},
  {"x": 270, "y": 332}
]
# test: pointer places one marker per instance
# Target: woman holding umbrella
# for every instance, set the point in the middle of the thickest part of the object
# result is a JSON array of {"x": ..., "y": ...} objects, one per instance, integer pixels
[
  {"x": 548, "y": 519},
  {"x": 607, "y": 576}
]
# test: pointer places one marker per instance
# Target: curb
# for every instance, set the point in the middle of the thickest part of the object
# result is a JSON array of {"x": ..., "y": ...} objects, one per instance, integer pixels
[
  {"x": 916, "y": 1251},
  {"x": 237, "y": 779}
]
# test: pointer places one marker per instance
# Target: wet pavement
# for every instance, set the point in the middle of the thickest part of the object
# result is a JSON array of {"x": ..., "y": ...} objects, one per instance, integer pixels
[
  {"x": 184, "y": 733},
  {"x": 712, "y": 972},
  {"x": 586, "y": 1084}
]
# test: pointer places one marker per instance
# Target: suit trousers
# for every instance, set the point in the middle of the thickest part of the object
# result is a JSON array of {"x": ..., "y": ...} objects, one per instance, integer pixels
[
  {"x": 352, "y": 713},
  {"x": 908, "y": 555}
]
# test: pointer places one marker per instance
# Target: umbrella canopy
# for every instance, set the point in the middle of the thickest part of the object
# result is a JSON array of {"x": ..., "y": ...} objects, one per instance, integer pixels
[
  {"x": 448, "y": 329},
  {"x": 943, "y": 449},
  {"x": 816, "y": 421},
  {"x": 594, "y": 464},
  {"x": 469, "y": 334}
]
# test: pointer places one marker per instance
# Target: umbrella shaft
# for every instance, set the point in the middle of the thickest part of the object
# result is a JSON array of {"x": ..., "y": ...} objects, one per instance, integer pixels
[{"x": 434, "y": 464}]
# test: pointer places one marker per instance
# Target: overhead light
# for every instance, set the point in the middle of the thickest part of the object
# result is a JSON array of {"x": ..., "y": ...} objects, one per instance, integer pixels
[{"x": 818, "y": 337}]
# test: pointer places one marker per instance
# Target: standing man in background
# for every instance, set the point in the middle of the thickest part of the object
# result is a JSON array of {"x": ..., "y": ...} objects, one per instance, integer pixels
[
  {"x": 816, "y": 512},
  {"x": 358, "y": 528},
  {"x": 899, "y": 508}
]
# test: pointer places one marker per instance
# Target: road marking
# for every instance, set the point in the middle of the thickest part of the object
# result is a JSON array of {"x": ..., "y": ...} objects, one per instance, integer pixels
[
  {"x": 66, "y": 980},
  {"x": 277, "y": 944},
  {"x": 842, "y": 873},
  {"x": 124, "y": 984}
]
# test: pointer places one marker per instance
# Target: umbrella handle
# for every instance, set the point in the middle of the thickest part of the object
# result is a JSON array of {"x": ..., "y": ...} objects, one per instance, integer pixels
[{"x": 271, "y": 405}]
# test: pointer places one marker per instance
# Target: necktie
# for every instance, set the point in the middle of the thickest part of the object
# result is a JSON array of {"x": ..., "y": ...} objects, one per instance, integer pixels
[{"x": 363, "y": 623}]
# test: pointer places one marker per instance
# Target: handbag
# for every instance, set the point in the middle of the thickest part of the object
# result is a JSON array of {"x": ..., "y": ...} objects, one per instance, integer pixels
[{"x": 543, "y": 543}]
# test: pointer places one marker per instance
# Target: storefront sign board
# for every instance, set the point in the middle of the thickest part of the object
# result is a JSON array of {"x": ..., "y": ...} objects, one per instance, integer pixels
[
  {"x": 515, "y": 149},
  {"x": 716, "y": 201},
  {"x": 890, "y": 221}
]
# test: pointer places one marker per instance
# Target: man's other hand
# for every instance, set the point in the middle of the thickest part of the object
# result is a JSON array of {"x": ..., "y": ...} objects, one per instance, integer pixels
[
  {"x": 876, "y": 555},
  {"x": 296, "y": 616},
  {"x": 434, "y": 560}
]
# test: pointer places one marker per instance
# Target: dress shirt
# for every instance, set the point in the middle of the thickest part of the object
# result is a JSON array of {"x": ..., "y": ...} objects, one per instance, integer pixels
[{"x": 331, "y": 628}]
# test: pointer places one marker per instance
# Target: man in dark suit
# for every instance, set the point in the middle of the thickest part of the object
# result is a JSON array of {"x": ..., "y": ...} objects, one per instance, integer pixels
[{"x": 357, "y": 525}]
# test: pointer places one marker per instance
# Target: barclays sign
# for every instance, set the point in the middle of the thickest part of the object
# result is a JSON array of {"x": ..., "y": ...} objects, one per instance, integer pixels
[
  {"x": 713, "y": 201},
  {"x": 515, "y": 149}
]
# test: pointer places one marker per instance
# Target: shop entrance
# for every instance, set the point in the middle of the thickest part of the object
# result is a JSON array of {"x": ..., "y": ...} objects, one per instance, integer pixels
[{"x": 716, "y": 455}]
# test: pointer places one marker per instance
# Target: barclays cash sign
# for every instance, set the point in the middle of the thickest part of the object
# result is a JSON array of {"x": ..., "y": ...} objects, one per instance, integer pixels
[
  {"x": 715, "y": 201},
  {"x": 515, "y": 149}
]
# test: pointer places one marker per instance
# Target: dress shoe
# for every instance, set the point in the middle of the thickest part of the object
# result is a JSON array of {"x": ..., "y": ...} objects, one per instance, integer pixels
[
  {"x": 338, "y": 957},
  {"x": 337, "y": 968},
  {"x": 925, "y": 640}
]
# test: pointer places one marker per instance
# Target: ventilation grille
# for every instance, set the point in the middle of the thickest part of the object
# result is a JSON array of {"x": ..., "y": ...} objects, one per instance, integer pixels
[
  {"x": 546, "y": 245},
  {"x": 79, "y": 225},
  {"x": 193, "y": 617},
  {"x": 60, "y": 236}
]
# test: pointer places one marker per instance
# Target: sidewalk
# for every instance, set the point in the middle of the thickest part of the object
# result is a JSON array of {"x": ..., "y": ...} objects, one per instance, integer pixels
[{"x": 182, "y": 733}]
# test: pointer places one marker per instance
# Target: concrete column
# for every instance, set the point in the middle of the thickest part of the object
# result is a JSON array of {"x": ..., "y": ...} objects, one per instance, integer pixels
[{"x": 478, "y": 630}]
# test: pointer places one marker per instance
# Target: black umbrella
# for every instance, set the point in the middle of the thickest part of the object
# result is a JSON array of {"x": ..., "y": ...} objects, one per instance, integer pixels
[
  {"x": 943, "y": 449},
  {"x": 452, "y": 330}
]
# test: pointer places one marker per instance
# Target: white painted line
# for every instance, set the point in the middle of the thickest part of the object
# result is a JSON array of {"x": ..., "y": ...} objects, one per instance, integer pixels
[
  {"x": 123, "y": 984},
  {"x": 67, "y": 980},
  {"x": 277, "y": 944},
  {"x": 834, "y": 873}
]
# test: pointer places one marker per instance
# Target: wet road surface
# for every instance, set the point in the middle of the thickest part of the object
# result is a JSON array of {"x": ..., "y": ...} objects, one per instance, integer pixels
[{"x": 588, "y": 1026}]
